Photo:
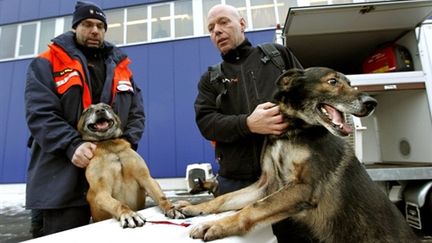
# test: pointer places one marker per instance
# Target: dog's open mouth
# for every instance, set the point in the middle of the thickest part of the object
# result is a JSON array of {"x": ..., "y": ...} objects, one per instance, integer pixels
[
  {"x": 335, "y": 118},
  {"x": 101, "y": 125}
]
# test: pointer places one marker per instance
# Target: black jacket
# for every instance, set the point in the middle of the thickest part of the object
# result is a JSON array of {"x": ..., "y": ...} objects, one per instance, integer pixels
[{"x": 251, "y": 82}]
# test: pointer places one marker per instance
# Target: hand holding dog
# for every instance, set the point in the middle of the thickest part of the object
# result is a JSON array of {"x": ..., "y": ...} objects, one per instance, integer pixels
[
  {"x": 83, "y": 154},
  {"x": 266, "y": 119}
]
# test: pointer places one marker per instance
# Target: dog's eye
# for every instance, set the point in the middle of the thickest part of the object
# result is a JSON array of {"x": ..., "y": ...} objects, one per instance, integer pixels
[
  {"x": 333, "y": 82},
  {"x": 85, "y": 111},
  {"x": 105, "y": 106}
]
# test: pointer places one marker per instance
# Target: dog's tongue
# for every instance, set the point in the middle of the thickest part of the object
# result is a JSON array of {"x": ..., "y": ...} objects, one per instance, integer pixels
[
  {"x": 102, "y": 125},
  {"x": 338, "y": 119},
  {"x": 346, "y": 129}
]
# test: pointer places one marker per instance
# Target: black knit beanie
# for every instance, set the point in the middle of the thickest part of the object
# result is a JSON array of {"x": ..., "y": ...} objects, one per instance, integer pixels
[{"x": 87, "y": 10}]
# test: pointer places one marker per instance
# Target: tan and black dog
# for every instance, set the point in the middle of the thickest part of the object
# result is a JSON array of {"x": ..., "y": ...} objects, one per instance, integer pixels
[
  {"x": 118, "y": 177},
  {"x": 310, "y": 173}
]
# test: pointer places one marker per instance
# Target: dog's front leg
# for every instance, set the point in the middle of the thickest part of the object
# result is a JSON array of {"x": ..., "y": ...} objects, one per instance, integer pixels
[
  {"x": 230, "y": 201},
  {"x": 156, "y": 193},
  {"x": 106, "y": 203},
  {"x": 138, "y": 168},
  {"x": 288, "y": 201}
]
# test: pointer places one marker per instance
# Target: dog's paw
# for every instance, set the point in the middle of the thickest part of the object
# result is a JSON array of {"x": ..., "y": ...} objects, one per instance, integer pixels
[
  {"x": 131, "y": 220},
  {"x": 207, "y": 231},
  {"x": 174, "y": 214},
  {"x": 180, "y": 204},
  {"x": 187, "y": 209},
  {"x": 192, "y": 210}
]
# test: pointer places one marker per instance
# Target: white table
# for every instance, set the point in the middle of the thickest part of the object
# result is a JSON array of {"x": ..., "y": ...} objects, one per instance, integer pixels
[{"x": 110, "y": 231}]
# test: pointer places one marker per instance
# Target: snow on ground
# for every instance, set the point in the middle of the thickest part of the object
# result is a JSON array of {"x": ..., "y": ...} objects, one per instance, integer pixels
[
  {"x": 12, "y": 199},
  {"x": 12, "y": 196}
]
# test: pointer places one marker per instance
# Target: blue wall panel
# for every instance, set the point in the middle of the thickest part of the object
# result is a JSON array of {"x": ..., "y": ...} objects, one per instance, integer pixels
[
  {"x": 29, "y": 9},
  {"x": 187, "y": 71},
  {"x": 6, "y": 82},
  {"x": 15, "y": 156},
  {"x": 49, "y": 8},
  {"x": 132, "y": 2},
  {"x": 139, "y": 66},
  {"x": 9, "y": 11},
  {"x": 160, "y": 124},
  {"x": 107, "y": 4},
  {"x": 66, "y": 7},
  {"x": 257, "y": 37}
]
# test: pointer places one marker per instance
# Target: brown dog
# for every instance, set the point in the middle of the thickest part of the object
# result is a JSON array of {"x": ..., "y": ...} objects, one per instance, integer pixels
[
  {"x": 118, "y": 177},
  {"x": 308, "y": 173}
]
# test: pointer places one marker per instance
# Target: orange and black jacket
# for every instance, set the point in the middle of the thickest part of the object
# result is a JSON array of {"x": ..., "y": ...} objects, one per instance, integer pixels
[{"x": 57, "y": 90}]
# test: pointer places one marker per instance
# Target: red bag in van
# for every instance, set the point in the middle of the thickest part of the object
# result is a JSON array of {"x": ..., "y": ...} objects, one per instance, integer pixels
[{"x": 388, "y": 58}]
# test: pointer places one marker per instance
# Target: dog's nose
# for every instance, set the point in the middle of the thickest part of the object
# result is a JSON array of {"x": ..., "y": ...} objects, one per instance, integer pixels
[
  {"x": 99, "y": 111},
  {"x": 369, "y": 102}
]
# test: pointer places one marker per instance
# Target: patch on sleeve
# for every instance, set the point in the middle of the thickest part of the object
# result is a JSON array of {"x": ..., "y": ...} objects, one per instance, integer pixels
[{"x": 125, "y": 85}]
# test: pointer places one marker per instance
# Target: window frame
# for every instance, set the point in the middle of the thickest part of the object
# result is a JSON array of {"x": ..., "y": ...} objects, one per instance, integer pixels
[
  {"x": 36, "y": 39},
  {"x": 14, "y": 47},
  {"x": 126, "y": 24},
  {"x": 171, "y": 21}
]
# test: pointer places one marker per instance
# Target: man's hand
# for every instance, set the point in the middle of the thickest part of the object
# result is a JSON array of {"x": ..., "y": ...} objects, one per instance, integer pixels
[
  {"x": 83, "y": 154},
  {"x": 266, "y": 119}
]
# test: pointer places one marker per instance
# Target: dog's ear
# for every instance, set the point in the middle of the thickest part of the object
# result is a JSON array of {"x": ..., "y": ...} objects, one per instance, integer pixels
[
  {"x": 285, "y": 79},
  {"x": 80, "y": 124}
]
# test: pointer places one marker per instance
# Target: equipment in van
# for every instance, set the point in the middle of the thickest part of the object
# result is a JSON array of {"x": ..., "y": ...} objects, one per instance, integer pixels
[
  {"x": 388, "y": 58},
  {"x": 196, "y": 172}
]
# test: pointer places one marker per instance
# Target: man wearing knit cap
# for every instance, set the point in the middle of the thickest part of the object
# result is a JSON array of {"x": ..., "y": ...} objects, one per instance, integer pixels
[
  {"x": 87, "y": 10},
  {"x": 79, "y": 68}
]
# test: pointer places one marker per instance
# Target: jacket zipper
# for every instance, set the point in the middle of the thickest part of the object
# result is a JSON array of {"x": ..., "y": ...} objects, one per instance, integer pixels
[
  {"x": 253, "y": 79},
  {"x": 244, "y": 81}
]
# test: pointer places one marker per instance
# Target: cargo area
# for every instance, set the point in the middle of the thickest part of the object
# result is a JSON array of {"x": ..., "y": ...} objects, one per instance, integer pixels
[{"x": 342, "y": 37}]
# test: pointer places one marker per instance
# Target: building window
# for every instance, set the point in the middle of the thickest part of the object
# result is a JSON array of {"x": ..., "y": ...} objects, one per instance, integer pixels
[
  {"x": 183, "y": 18},
  {"x": 47, "y": 32},
  {"x": 8, "y": 35},
  {"x": 342, "y": 1},
  {"x": 27, "y": 39},
  {"x": 263, "y": 13},
  {"x": 67, "y": 23},
  {"x": 161, "y": 21},
  {"x": 327, "y": 2},
  {"x": 136, "y": 24},
  {"x": 318, "y": 2},
  {"x": 282, "y": 7},
  {"x": 115, "y": 19}
]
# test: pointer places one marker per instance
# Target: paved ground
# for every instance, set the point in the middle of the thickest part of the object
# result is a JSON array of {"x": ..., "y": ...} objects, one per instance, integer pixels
[{"x": 15, "y": 228}]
